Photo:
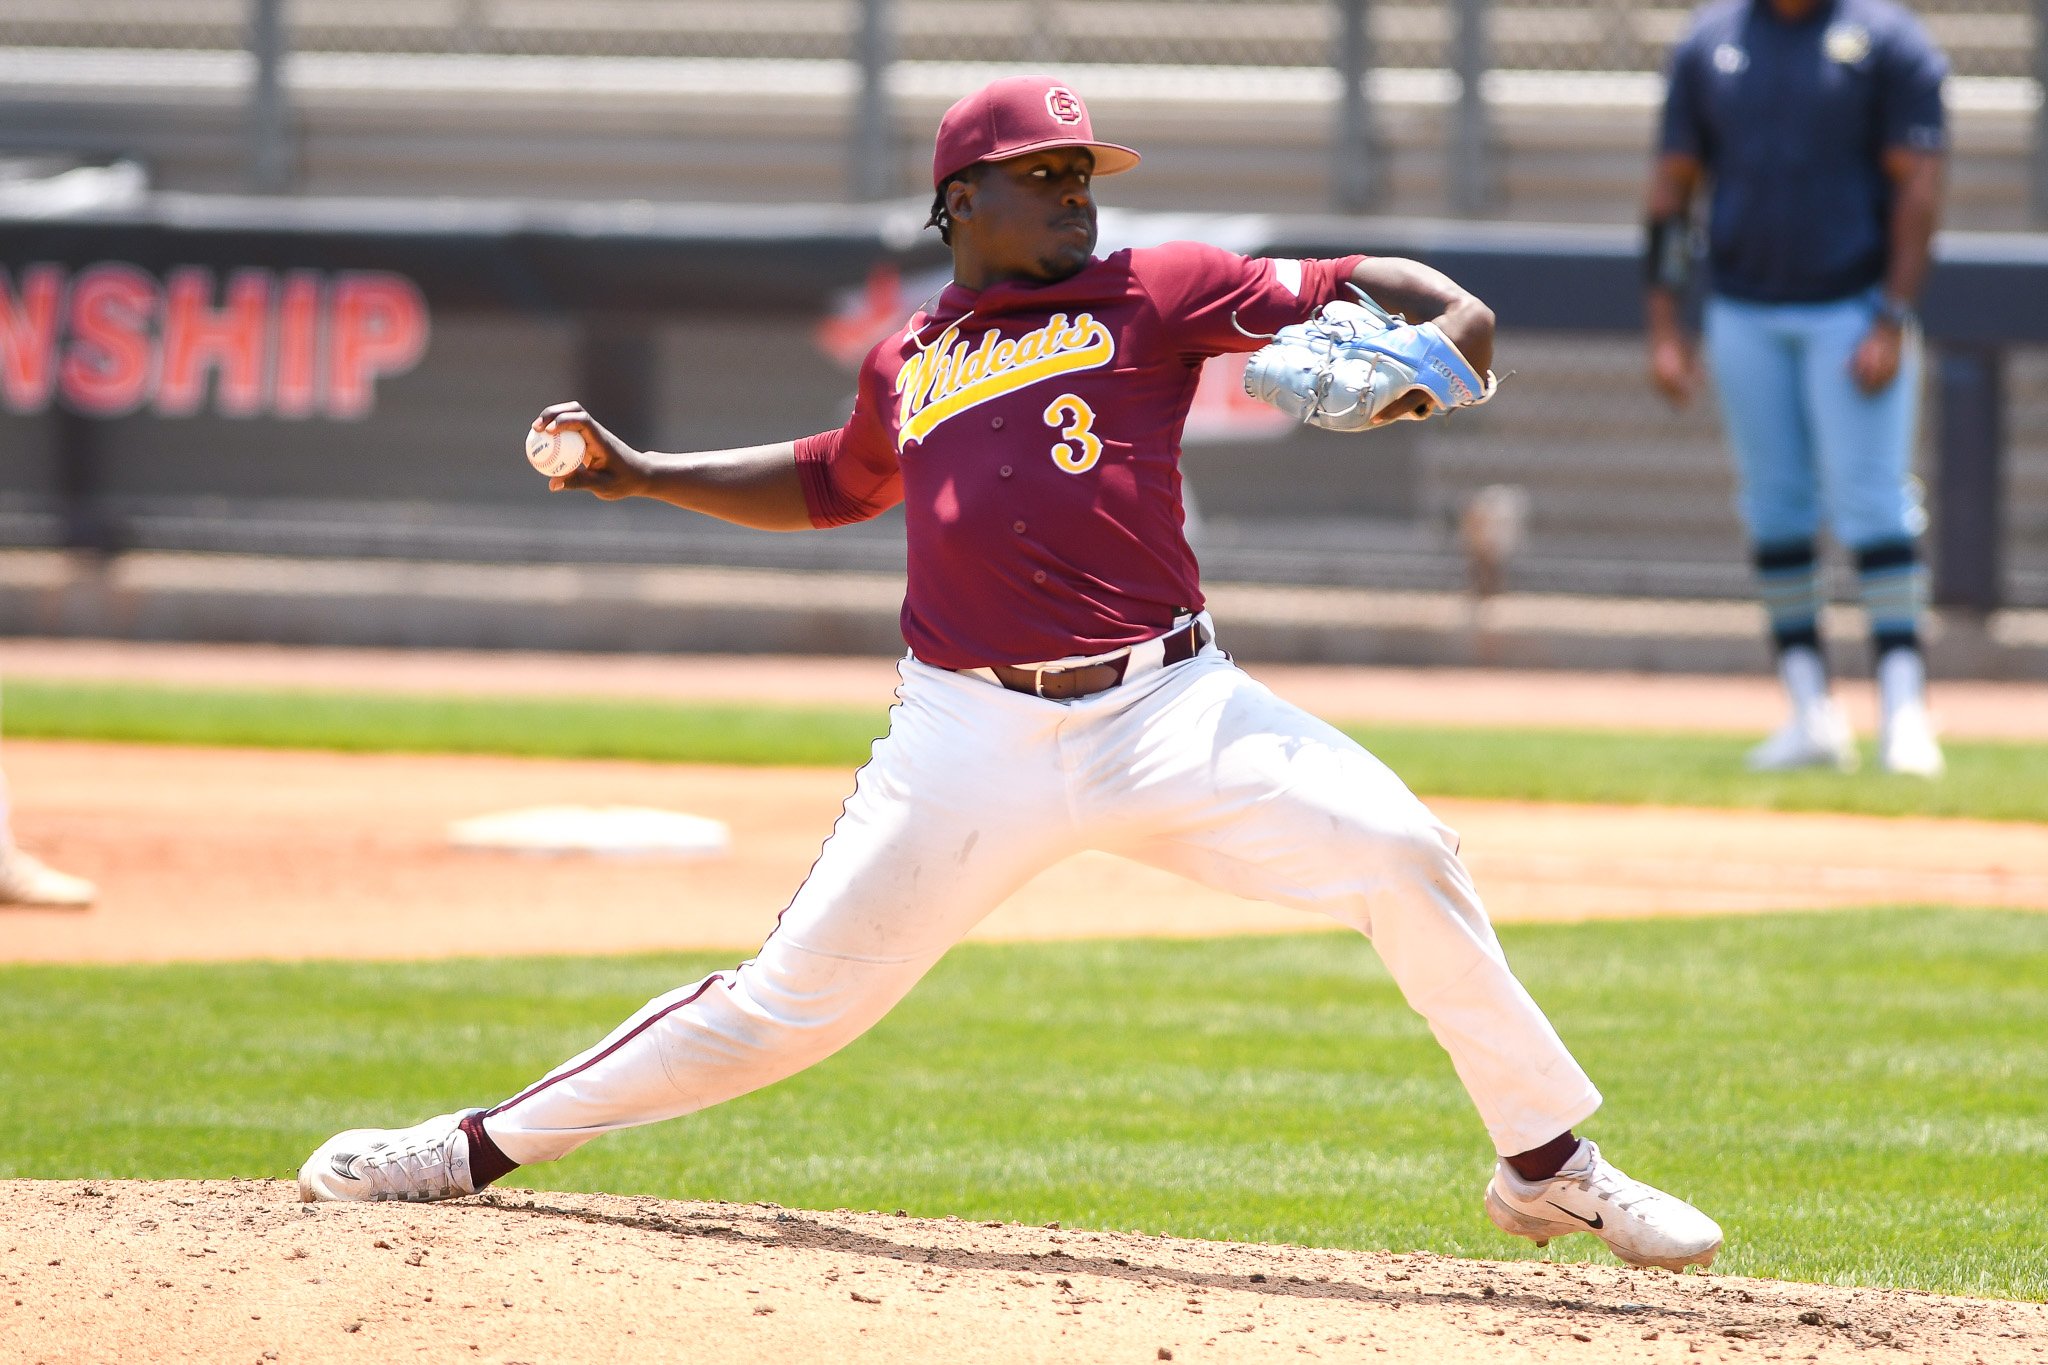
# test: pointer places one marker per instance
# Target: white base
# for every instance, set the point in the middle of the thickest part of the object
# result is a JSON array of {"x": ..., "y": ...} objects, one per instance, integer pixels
[{"x": 612, "y": 831}]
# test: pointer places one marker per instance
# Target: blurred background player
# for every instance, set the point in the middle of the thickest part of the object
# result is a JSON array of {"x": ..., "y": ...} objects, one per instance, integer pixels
[
  {"x": 1818, "y": 127},
  {"x": 26, "y": 879}
]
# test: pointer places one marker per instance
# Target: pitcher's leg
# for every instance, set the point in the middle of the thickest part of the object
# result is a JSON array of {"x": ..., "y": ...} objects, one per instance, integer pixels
[
  {"x": 924, "y": 849},
  {"x": 962, "y": 803},
  {"x": 1254, "y": 795},
  {"x": 1286, "y": 808},
  {"x": 731, "y": 1033}
]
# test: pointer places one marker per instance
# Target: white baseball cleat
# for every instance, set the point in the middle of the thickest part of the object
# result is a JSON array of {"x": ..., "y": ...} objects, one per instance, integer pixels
[
  {"x": 28, "y": 880},
  {"x": 426, "y": 1162},
  {"x": 1817, "y": 736},
  {"x": 1641, "y": 1224},
  {"x": 1907, "y": 744}
]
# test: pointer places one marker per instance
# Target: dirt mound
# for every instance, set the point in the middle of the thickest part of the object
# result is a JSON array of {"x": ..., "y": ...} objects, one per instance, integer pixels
[{"x": 208, "y": 1271}]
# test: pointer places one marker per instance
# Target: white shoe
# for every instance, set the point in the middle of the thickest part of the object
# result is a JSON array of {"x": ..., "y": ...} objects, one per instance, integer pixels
[
  {"x": 1640, "y": 1224},
  {"x": 1817, "y": 736},
  {"x": 423, "y": 1163},
  {"x": 1907, "y": 744},
  {"x": 28, "y": 880}
]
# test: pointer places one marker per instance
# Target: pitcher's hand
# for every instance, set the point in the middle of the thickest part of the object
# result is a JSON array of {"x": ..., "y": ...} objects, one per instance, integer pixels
[{"x": 611, "y": 469}]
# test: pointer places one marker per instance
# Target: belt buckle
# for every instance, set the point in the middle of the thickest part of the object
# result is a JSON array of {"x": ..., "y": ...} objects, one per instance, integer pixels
[
  {"x": 1038, "y": 676},
  {"x": 1192, "y": 634},
  {"x": 1116, "y": 664}
]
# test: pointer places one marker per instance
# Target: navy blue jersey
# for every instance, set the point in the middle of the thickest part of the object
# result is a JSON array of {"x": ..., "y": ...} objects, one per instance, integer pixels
[{"x": 1791, "y": 121}]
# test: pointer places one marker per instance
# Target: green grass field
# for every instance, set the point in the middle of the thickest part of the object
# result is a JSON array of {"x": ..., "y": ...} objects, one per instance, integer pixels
[
  {"x": 1986, "y": 781},
  {"x": 1859, "y": 1097}
]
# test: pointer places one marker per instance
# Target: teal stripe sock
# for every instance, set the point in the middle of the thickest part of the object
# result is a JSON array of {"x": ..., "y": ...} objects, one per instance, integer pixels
[{"x": 1789, "y": 582}]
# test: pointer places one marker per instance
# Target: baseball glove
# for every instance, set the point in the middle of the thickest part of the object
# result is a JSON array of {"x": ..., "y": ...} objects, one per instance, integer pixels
[{"x": 1351, "y": 362}]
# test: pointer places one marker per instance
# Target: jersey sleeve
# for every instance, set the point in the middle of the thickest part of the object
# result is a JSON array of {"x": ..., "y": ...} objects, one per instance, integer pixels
[
  {"x": 1205, "y": 295},
  {"x": 851, "y": 474},
  {"x": 1681, "y": 127},
  {"x": 1911, "y": 101}
]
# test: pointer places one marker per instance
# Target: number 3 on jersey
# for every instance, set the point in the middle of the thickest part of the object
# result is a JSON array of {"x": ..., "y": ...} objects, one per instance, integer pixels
[{"x": 1076, "y": 422}]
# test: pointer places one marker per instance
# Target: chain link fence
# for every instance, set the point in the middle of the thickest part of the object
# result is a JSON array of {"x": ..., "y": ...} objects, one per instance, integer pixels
[
  {"x": 1984, "y": 38},
  {"x": 1558, "y": 76},
  {"x": 177, "y": 25}
]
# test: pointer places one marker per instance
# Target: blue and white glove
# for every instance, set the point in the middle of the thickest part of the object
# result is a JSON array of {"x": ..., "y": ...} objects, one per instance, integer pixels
[{"x": 1351, "y": 362}]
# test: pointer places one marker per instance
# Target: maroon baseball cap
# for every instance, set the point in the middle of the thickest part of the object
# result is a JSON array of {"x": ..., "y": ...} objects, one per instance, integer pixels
[{"x": 1015, "y": 115}]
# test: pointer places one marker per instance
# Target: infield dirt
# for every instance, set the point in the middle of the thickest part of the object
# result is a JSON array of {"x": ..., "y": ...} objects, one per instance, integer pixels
[
  {"x": 218, "y": 1272},
  {"x": 208, "y": 854}
]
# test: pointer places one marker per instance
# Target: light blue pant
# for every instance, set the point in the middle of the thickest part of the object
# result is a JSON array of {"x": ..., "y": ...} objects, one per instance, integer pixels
[{"x": 1807, "y": 442}]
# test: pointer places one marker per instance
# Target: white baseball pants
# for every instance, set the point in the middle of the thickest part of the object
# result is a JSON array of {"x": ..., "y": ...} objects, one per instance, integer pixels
[{"x": 1195, "y": 768}]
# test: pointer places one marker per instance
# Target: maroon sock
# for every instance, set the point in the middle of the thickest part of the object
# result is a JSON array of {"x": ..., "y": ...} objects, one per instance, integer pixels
[
  {"x": 486, "y": 1162},
  {"x": 1538, "y": 1163}
]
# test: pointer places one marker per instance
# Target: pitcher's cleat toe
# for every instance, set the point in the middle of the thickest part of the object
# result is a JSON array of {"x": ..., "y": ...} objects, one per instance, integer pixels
[
  {"x": 423, "y": 1163},
  {"x": 1639, "y": 1223}
]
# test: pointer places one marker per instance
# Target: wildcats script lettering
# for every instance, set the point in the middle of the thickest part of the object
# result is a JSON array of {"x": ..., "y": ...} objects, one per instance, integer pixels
[{"x": 949, "y": 377}]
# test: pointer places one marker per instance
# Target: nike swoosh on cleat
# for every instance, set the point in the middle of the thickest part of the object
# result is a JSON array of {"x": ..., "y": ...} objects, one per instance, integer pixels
[
  {"x": 341, "y": 1162},
  {"x": 1596, "y": 1222}
]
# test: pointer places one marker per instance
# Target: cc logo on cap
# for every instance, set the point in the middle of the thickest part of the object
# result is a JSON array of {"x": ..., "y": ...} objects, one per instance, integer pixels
[{"x": 1064, "y": 105}]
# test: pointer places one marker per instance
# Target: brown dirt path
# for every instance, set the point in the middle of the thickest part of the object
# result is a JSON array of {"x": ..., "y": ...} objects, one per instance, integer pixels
[
  {"x": 214, "y": 1272},
  {"x": 221, "y": 853}
]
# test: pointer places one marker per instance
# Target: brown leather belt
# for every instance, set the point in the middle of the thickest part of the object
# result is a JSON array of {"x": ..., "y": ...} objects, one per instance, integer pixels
[{"x": 1064, "y": 684}]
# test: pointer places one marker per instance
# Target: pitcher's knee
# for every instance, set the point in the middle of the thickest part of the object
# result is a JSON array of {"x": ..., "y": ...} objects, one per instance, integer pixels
[
  {"x": 1421, "y": 848},
  {"x": 1388, "y": 868},
  {"x": 809, "y": 1005},
  {"x": 1420, "y": 877}
]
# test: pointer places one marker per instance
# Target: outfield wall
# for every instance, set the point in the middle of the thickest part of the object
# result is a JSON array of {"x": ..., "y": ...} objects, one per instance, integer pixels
[{"x": 346, "y": 379}]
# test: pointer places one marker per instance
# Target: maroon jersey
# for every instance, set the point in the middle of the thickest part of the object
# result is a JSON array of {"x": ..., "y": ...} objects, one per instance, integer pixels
[{"x": 1032, "y": 432}]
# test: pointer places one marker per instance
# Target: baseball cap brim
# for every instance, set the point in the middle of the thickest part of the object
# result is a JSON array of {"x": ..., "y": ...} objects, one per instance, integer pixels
[{"x": 1110, "y": 158}]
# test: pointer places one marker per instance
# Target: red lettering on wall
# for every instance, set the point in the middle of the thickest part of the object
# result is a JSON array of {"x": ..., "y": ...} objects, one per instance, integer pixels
[
  {"x": 197, "y": 339},
  {"x": 28, "y": 337},
  {"x": 107, "y": 365},
  {"x": 295, "y": 344},
  {"x": 379, "y": 327},
  {"x": 296, "y": 387}
]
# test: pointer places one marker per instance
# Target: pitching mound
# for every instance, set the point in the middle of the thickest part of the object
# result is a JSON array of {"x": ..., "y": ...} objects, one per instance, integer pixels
[{"x": 206, "y": 1271}]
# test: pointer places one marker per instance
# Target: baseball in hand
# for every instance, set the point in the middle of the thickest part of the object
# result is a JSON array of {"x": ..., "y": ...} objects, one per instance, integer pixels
[{"x": 554, "y": 453}]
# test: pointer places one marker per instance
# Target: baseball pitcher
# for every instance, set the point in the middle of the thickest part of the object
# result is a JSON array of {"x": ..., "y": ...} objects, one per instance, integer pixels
[{"x": 1064, "y": 688}]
